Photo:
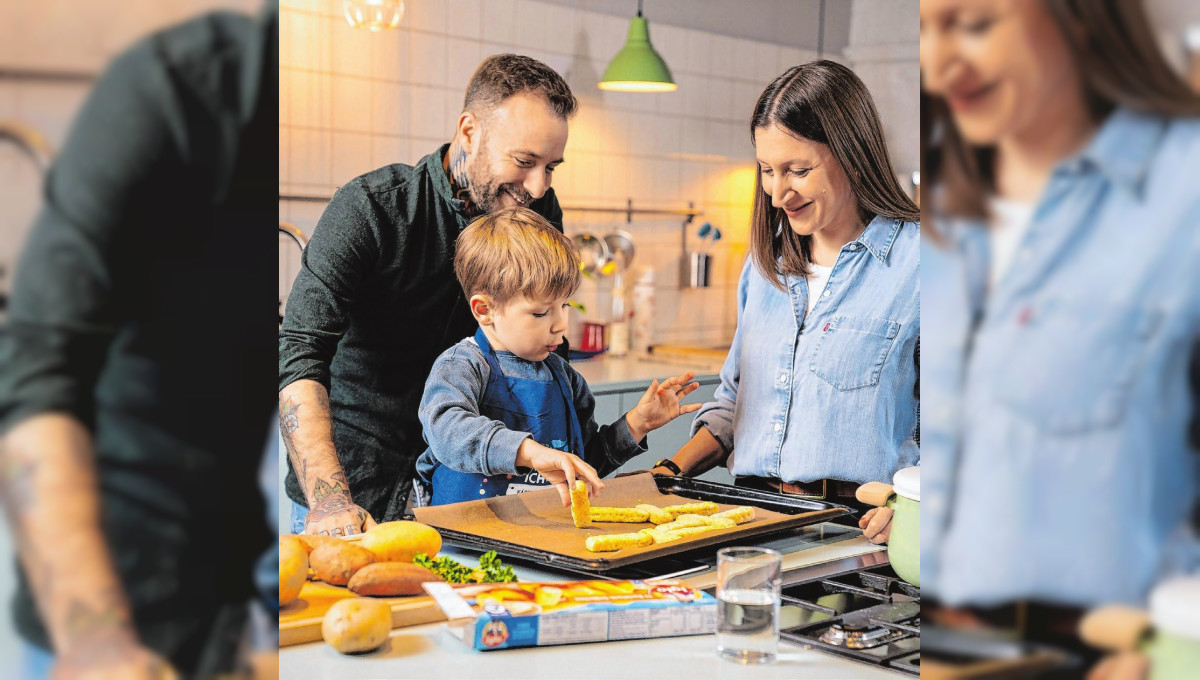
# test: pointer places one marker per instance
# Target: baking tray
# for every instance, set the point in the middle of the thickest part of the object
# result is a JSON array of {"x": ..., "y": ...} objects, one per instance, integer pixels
[{"x": 535, "y": 526}]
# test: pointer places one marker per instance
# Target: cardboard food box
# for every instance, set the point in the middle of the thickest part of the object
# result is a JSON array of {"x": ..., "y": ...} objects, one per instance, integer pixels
[{"x": 502, "y": 615}]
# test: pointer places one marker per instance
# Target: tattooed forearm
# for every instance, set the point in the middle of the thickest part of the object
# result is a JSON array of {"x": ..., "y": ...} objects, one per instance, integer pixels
[
  {"x": 107, "y": 613},
  {"x": 289, "y": 422},
  {"x": 16, "y": 486},
  {"x": 306, "y": 428},
  {"x": 323, "y": 489},
  {"x": 48, "y": 478}
]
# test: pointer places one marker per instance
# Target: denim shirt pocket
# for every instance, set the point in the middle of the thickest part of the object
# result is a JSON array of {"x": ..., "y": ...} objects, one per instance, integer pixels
[
  {"x": 852, "y": 349},
  {"x": 1074, "y": 363}
]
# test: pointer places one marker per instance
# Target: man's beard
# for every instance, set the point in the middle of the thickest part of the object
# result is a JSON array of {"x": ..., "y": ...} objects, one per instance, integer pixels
[{"x": 486, "y": 192}]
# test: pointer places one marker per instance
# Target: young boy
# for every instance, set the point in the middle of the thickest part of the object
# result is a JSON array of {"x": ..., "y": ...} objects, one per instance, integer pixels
[{"x": 501, "y": 412}]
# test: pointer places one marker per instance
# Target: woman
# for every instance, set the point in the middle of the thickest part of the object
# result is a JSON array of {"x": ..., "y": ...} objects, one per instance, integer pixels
[
  {"x": 1062, "y": 305},
  {"x": 818, "y": 393}
]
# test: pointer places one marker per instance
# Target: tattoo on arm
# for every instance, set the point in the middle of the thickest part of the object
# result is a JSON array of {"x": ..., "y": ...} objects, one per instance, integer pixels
[
  {"x": 87, "y": 619},
  {"x": 16, "y": 485},
  {"x": 289, "y": 422},
  {"x": 323, "y": 489}
]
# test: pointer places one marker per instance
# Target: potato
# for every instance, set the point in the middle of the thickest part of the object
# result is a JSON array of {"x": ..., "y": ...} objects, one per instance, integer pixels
[
  {"x": 293, "y": 569},
  {"x": 401, "y": 541},
  {"x": 357, "y": 625},
  {"x": 313, "y": 541},
  {"x": 337, "y": 563},
  {"x": 389, "y": 579}
]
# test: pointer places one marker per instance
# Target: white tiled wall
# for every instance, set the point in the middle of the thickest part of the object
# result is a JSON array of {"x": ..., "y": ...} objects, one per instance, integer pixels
[
  {"x": 352, "y": 100},
  {"x": 883, "y": 50},
  {"x": 64, "y": 36}
]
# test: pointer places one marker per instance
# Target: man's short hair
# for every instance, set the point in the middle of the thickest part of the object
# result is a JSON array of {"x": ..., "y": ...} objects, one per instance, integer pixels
[
  {"x": 515, "y": 252},
  {"x": 503, "y": 75}
]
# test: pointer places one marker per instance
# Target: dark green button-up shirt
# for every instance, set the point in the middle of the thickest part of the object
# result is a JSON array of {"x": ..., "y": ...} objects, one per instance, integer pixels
[{"x": 145, "y": 306}]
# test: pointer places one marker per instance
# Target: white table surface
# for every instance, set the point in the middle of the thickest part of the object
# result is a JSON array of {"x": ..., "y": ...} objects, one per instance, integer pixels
[{"x": 430, "y": 652}]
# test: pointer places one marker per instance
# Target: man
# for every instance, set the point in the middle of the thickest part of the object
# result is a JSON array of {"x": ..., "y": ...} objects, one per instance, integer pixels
[
  {"x": 135, "y": 371},
  {"x": 376, "y": 300}
]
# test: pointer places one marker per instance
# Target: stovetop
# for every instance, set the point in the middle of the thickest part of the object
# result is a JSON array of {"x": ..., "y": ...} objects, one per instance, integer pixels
[{"x": 867, "y": 614}]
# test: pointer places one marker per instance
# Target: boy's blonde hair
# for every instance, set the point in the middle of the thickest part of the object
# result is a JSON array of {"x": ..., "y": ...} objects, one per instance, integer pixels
[{"x": 515, "y": 252}]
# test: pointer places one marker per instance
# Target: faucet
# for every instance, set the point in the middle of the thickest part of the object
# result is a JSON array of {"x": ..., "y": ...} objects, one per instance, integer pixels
[
  {"x": 300, "y": 239},
  {"x": 28, "y": 140},
  {"x": 33, "y": 144},
  {"x": 293, "y": 231}
]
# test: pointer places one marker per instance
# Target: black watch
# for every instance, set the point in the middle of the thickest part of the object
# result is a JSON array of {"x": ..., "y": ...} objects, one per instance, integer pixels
[{"x": 670, "y": 465}]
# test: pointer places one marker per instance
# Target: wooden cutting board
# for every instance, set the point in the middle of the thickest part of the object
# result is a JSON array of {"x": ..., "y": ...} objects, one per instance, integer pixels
[{"x": 300, "y": 621}]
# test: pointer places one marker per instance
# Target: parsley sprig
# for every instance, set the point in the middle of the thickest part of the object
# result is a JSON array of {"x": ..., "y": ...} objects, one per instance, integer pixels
[{"x": 491, "y": 569}]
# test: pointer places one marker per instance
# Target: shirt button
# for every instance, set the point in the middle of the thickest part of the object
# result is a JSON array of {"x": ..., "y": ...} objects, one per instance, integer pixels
[
  {"x": 778, "y": 427},
  {"x": 783, "y": 377},
  {"x": 853, "y": 246},
  {"x": 825, "y": 294}
]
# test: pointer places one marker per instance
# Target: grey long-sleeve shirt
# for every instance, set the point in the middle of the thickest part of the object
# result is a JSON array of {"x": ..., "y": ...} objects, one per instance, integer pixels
[{"x": 461, "y": 438}]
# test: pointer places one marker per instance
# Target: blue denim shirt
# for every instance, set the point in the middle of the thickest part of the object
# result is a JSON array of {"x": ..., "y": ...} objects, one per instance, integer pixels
[
  {"x": 830, "y": 395},
  {"x": 1055, "y": 407}
]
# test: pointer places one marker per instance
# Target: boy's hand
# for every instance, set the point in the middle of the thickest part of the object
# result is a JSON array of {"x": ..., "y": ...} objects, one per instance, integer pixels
[
  {"x": 559, "y": 468},
  {"x": 660, "y": 405}
]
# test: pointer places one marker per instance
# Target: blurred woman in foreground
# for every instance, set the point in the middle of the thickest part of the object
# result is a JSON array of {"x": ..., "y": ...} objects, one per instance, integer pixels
[{"x": 1062, "y": 306}]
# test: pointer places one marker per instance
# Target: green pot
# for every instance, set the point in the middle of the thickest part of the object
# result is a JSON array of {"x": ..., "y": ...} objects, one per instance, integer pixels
[
  {"x": 1174, "y": 645},
  {"x": 904, "y": 543},
  {"x": 903, "y": 496},
  {"x": 1172, "y": 657}
]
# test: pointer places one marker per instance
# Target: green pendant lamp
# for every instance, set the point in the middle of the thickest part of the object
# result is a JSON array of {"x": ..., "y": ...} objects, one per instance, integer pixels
[{"x": 637, "y": 67}]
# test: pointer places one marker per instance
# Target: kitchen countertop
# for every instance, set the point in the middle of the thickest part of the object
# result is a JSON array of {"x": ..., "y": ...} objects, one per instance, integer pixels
[
  {"x": 619, "y": 374},
  {"x": 430, "y": 652}
]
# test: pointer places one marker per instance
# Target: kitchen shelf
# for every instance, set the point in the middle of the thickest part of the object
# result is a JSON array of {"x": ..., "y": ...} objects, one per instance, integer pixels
[
  {"x": 47, "y": 75},
  {"x": 628, "y": 211}
]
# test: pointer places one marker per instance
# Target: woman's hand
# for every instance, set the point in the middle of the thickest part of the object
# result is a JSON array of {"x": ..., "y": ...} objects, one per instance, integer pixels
[
  {"x": 559, "y": 468},
  {"x": 1122, "y": 666},
  {"x": 876, "y": 524},
  {"x": 660, "y": 405}
]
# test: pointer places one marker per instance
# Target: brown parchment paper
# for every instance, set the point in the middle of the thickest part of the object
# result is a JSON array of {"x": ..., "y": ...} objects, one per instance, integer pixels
[{"x": 537, "y": 519}]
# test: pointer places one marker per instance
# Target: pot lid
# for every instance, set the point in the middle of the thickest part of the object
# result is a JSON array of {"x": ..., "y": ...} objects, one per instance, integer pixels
[
  {"x": 1175, "y": 607},
  {"x": 907, "y": 483}
]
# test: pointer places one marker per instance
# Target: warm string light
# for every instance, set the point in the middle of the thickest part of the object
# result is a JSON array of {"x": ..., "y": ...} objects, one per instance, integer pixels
[{"x": 373, "y": 15}]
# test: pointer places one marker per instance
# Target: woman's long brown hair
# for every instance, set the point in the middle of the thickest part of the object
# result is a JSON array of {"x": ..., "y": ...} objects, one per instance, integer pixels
[
  {"x": 1121, "y": 66},
  {"x": 824, "y": 102}
]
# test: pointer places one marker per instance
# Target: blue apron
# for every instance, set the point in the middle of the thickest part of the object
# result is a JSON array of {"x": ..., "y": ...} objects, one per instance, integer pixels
[{"x": 544, "y": 409}]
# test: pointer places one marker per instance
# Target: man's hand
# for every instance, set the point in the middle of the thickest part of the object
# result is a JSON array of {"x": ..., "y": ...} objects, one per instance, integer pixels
[
  {"x": 660, "y": 405},
  {"x": 108, "y": 657},
  {"x": 559, "y": 468},
  {"x": 334, "y": 513},
  {"x": 876, "y": 524}
]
